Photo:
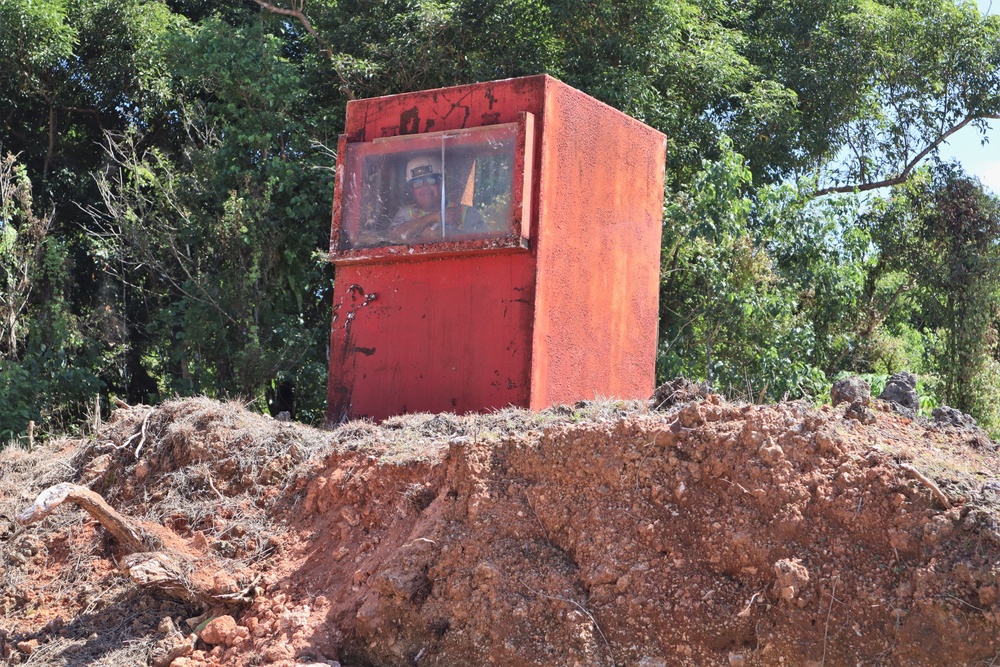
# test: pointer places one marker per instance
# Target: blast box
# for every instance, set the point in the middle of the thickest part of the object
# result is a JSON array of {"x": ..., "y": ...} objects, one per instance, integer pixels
[{"x": 495, "y": 245}]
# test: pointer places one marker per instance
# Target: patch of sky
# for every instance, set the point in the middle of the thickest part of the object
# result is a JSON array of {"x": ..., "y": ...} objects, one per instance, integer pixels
[{"x": 977, "y": 152}]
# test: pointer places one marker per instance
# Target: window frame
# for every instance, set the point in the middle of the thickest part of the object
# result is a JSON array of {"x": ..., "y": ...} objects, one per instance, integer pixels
[{"x": 521, "y": 199}]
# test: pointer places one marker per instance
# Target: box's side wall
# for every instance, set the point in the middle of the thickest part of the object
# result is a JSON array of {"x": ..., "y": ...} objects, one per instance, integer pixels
[
  {"x": 598, "y": 252},
  {"x": 441, "y": 335}
]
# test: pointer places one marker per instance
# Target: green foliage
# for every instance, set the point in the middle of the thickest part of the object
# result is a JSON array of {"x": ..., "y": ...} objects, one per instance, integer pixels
[
  {"x": 45, "y": 360},
  {"x": 35, "y": 41},
  {"x": 876, "y": 82},
  {"x": 181, "y": 258},
  {"x": 239, "y": 300},
  {"x": 941, "y": 232},
  {"x": 823, "y": 257},
  {"x": 727, "y": 314}
]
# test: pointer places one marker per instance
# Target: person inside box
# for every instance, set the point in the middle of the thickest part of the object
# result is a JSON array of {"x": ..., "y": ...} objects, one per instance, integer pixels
[{"x": 420, "y": 220}]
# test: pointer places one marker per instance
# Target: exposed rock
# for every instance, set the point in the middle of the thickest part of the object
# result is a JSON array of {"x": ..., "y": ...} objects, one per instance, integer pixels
[
  {"x": 948, "y": 416},
  {"x": 901, "y": 392},
  {"x": 861, "y": 412},
  {"x": 172, "y": 647},
  {"x": 28, "y": 647},
  {"x": 649, "y": 661},
  {"x": 771, "y": 454},
  {"x": 554, "y": 538},
  {"x": 679, "y": 390},
  {"x": 792, "y": 578},
  {"x": 904, "y": 378},
  {"x": 220, "y": 630},
  {"x": 850, "y": 390},
  {"x": 166, "y": 626}
]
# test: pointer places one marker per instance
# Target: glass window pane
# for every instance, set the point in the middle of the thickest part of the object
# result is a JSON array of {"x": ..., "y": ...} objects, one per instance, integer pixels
[{"x": 396, "y": 190}]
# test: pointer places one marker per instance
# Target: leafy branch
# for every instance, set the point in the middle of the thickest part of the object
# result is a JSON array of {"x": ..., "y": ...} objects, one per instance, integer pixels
[
  {"x": 907, "y": 170},
  {"x": 298, "y": 12}
]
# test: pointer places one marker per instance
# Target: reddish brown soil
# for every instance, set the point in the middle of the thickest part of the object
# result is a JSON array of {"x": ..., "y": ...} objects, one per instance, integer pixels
[{"x": 607, "y": 534}]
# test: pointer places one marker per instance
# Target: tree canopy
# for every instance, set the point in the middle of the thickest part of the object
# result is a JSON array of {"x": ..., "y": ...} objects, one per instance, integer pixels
[{"x": 166, "y": 177}]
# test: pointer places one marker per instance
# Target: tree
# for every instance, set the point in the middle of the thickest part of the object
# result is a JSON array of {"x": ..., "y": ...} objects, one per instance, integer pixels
[
  {"x": 22, "y": 244},
  {"x": 727, "y": 313},
  {"x": 233, "y": 299},
  {"x": 879, "y": 85},
  {"x": 943, "y": 231},
  {"x": 35, "y": 42},
  {"x": 182, "y": 149},
  {"x": 670, "y": 63},
  {"x": 45, "y": 363}
]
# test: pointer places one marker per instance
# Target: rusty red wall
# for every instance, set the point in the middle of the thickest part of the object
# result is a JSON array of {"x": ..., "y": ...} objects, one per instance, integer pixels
[
  {"x": 455, "y": 108},
  {"x": 597, "y": 252},
  {"x": 438, "y": 335},
  {"x": 448, "y": 334}
]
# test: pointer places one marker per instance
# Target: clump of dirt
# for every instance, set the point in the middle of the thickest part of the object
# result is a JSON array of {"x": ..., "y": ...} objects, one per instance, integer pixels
[
  {"x": 604, "y": 533},
  {"x": 679, "y": 390}
]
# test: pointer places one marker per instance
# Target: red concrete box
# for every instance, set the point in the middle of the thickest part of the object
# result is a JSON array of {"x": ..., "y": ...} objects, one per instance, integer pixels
[{"x": 541, "y": 285}]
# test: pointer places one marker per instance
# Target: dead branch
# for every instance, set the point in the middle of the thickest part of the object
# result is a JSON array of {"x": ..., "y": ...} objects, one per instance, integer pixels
[
  {"x": 142, "y": 431},
  {"x": 130, "y": 536},
  {"x": 904, "y": 174},
  {"x": 928, "y": 482},
  {"x": 147, "y": 563}
]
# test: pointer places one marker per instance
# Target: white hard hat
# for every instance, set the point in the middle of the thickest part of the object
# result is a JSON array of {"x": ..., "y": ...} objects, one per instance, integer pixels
[{"x": 426, "y": 165}]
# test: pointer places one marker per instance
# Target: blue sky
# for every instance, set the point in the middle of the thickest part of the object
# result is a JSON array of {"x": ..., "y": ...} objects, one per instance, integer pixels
[{"x": 965, "y": 146}]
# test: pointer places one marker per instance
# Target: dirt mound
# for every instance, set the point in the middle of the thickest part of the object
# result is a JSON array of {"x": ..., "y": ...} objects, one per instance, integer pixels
[{"x": 600, "y": 534}]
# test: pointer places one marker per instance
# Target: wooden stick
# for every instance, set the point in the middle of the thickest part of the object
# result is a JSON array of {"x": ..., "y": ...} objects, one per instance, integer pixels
[
  {"x": 142, "y": 441},
  {"x": 147, "y": 562},
  {"x": 928, "y": 482},
  {"x": 131, "y": 537}
]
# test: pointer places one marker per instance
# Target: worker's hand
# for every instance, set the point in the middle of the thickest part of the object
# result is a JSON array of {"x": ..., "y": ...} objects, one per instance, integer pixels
[{"x": 418, "y": 227}]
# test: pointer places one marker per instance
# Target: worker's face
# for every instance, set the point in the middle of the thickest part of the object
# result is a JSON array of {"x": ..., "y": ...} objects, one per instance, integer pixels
[{"x": 426, "y": 192}]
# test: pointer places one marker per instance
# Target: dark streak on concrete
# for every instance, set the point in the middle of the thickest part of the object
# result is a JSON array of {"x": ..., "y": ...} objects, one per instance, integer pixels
[
  {"x": 458, "y": 105},
  {"x": 409, "y": 121}
]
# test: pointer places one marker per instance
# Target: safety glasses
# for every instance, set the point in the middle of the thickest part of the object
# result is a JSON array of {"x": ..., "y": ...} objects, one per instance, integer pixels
[{"x": 433, "y": 179}]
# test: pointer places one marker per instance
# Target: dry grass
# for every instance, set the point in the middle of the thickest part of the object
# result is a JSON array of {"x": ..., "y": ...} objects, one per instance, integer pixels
[
  {"x": 130, "y": 652},
  {"x": 24, "y": 472},
  {"x": 426, "y": 437},
  {"x": 960, "y": 462},
  {"x": 202, "y": 465},
  {"x": 116, "y": 630}
]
